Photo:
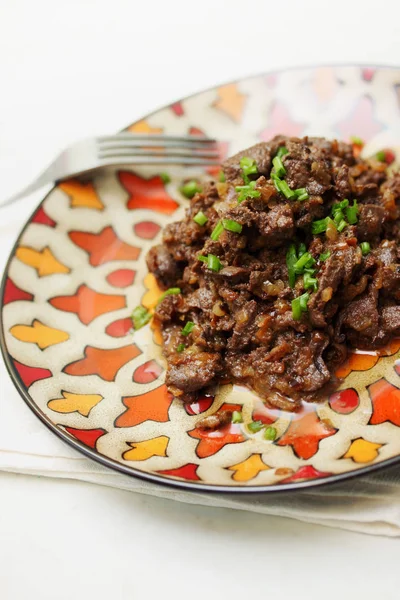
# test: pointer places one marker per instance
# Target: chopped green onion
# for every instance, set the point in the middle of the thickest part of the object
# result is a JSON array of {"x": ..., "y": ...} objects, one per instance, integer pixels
[
  {"x": 190, "y": 188},
  {"x": 282, "y": 150},
  {"x": 324, "y": 256},
  {"x": 381, "y": 156},
  {"x": 303, "y": 301},
  {"x": 270, "y": 433},
  {"x": 237, "y": 417},
  {"x": 301, "y": 249},
  {"x": 216, "y": 232},
  {"x": 255, "y": 426},
  {"x": 299, "y": 305},
  {"x": 213, "y": 263},
  {"x": 247, "y": 191},
  {"x": 140, "y": 317},
  {"x": 188, "y": 328},
  {"x": 296, "y": 309},
  {"x": 310, "y": 282},
  {"x": 221, "y": 177},
  {"x": 301, "y": 194},
  {"x": 283, "y": 187},
  {"x": 341, "y": 225},
  {"x": 320, "y": 226},
  {"x": 169, "y": 292},
  {"x": 339, "y": 206},
  {"x": 165, "y": 177},
  {"x": 249, "y": 167},
  {"x": 202, "y": 258},
  {"x": 230, "y": 225},
  {"x": 291, "y": 259},
  {"x": 280, "y": 170},
  {"x": 351, "y": 213},
  {"x": 306, "y": 260},
  {"x": 200, "y": 218},
  {"x": 365, "y": 248},
  {"x": 339, "y": 216},
  {"x": 356, "y": 140},
  {"x": 180, "y": 347}
]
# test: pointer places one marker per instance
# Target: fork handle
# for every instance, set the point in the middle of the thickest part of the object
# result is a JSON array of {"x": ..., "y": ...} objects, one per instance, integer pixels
[{"x": 42, "y": 180}]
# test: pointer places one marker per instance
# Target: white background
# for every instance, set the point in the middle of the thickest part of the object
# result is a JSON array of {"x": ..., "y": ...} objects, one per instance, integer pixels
[{"x": 76, "y": 68}]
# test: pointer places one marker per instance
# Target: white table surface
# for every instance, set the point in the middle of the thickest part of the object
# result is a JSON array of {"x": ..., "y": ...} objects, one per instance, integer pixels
[{"x": 70, "y": 69}]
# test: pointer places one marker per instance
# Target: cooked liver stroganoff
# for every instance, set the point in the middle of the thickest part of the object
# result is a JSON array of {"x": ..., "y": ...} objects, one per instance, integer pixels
[{"x": 276, "y": 271}]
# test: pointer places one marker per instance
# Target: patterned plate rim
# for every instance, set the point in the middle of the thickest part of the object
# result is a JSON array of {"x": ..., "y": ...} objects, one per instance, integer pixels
[{"x": 131, "y": 471}]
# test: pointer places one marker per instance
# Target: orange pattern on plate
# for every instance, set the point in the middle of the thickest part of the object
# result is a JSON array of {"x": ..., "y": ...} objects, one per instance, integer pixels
[
  {"x": 104, "y": 247},
  {"x": 144, "y": 127},
  {"x": 43, "y": 261},
  {"x": 101, "y": 362},
  {"x": 88, "y": 304},
  {"x": 82, "y": 195},
  {"x": 70, "y": 402},
  {"x": 147, "y": 449},
  {"x": 147, "y": 194},
  {"x": 231, "y": 101},
  {"x": 249, "y": 468},
  {"x": 385, "y": 399},
  {"x": 150, "y": 406},
  {"x": 305, "y": 432},
  {"x": 362, "y": 451},
  {"x": 39, "y": 334}
]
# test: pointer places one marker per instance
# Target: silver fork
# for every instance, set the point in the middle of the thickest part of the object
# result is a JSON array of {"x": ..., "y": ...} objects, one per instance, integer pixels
[{"x": 121, "y": 149}]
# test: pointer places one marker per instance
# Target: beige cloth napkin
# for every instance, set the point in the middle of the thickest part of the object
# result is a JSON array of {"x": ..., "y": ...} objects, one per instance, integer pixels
[{"x": 369, "y": 504}]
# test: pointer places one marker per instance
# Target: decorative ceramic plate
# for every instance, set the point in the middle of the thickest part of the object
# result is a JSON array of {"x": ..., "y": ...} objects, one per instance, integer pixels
[{"x": 78, "y": 269}]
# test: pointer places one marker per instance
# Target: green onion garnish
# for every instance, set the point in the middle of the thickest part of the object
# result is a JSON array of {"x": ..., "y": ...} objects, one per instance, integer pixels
[
  {"x": 140, "y": 317},
  {"x": 169, "y": 292},
  {"x": 221, "y": 177},
  {"x": 339, "y": 216},
  {"x": 365, "y": 248},
  {"x": 270, "y": 433},
  {"x": 341, "y": 225},
  {"x": 202, "y": 258},
  {"x": 381, "y": 156},
  {"x": 356, "y": 140},
  {"x": 237, "y": 417},
  {"x": 213, "y": 263},
  {"x": 296, "y": 309},
  {"x": 280, "y": 170},
  {"x": 283, "y": 187},
  {"x": 247, "y": 191},
  {"x": 303, "y": 301},
  {"x": 180, "y": 347},
  {"x": 165, "y": 177},
  {"x": 216, "y": 232},
  {"x": 188, "y": 328},
  {"x": 233, "y": 226},
  {"x": 200, "y": 218},
  {"x": 310, "y": 282},
  {"x": 303, "y": 197},
  {"x": 324, "y": 256},
  {"x": 301, "y": 194},
  {"x": 282, "y": 150},
  {"x": 306, "y": 260},
  {"x": 190, "y": 188},
  {"x": 339, "y": 206},
  {"x": 351, "y": 213},
  {"x": 320, "y": 226},
  {"x": 291, "y": 259},
  {"x": 299, "y": 305},
  {"x": 249, "y": 167},
  {"x": 255, "y": 426}
]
